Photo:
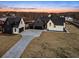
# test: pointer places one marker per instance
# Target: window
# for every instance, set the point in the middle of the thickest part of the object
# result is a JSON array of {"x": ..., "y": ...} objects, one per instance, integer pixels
[
  {"x": 15, "y": 29},
  {"x": 49, "y": 24}
]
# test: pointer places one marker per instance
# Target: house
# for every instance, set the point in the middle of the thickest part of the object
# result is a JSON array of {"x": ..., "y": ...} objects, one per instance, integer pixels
[
  {"x": 69, "y": 19},
  {"x": 2, "y": 20},
  {"x": 38, "y": 24},
  {"x": 29, "y": 24},
  {"x": 56, "y": 24},
  {"x": 13, "y": 25},
  {"x": 50, "y": 23}
]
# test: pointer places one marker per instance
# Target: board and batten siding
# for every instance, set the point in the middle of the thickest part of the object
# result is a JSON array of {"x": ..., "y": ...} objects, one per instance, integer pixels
[
  {"x": 58, "y": 28},
  {"x": 22, "y": 24},
  {"x": 51, "y": 26}
]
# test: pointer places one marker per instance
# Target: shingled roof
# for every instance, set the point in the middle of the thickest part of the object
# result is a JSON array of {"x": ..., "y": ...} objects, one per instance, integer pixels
[
  {"x": 13, "y": 21},
  {"x": 38, "y": 22},
  {"x": 58, "y": 20}
]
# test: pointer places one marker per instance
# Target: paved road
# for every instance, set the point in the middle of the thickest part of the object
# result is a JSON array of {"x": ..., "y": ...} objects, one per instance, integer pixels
[{"x": 17, "y": 50}]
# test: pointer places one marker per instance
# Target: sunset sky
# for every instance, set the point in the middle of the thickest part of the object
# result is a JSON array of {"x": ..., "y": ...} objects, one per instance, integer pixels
[{"x": 41, "y": 4}]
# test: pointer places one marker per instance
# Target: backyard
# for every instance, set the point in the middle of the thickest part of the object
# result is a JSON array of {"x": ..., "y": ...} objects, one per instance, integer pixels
[
  {"x": 54, "y": 44},
  {"x": 7, "y": 41}
]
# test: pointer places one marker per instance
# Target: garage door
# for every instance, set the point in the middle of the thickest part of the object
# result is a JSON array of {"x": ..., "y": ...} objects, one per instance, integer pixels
[
  {"x": 38, "y": 27},
  {"x": 21, "y": 29}
]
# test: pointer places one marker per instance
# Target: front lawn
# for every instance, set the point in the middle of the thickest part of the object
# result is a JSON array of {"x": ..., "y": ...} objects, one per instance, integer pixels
[
  {"x": 7, "y": 41},
  {"x": 54, "y": 44}
]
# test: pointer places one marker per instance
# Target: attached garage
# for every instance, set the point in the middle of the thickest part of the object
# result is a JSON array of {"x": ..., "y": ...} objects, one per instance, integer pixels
[
  {"x": 38, "y": 27},
  {"x": 13, "y": 25},
  {"x": 21, "y": 29},
  {"x": 38, "y": 24}
]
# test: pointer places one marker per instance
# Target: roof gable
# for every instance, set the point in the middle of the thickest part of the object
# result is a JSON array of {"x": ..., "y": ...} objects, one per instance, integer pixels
[
  {"x": 13, "y": 21},
  {"x": 38, "y": 22},
  {"x": 58, "y": 20},
  {"x": 50, "y": 21},
  {"x": 55, "y": 19},
  {"x": 3, "y": 19}
]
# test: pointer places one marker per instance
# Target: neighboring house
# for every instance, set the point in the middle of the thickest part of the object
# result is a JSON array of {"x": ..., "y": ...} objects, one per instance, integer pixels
[
  {"x": 29, "y": 24},
  {"x": 69, "y": 19},
  {"x": 2, "y": 20},
  {"x": 50, "y": 23},
  {"x": 13, "y": 25},
  {"x": 38, "y": 24},
  {"x": 56, "y": 24}
]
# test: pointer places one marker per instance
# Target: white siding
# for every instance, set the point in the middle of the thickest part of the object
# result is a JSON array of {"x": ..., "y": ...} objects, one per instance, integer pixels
[
  {"x": 48, "y": 25},
  {"x": 22, "y": 24},
  {"x": 68, "y": 18},
  {"x": 58, "y": 28},
  {"x": 55, "y": 27},
  {"x": 17, "y": 30},
  {"x": 64, "y": 25}
]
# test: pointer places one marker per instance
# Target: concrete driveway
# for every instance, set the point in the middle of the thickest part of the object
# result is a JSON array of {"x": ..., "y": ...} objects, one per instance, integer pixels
[{"x": 17, "y": 50}]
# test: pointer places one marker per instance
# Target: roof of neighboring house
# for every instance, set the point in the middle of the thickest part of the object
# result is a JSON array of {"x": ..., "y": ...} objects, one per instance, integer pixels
[
  {"x": 44, "y": 20},
  {"x": 38, "y": 22},
  {"x": 56, "y": 20},
  {"x": 1, "y": 23},
  {"x": 3, "y": 19},
  {"x": 13, "y": 21}
]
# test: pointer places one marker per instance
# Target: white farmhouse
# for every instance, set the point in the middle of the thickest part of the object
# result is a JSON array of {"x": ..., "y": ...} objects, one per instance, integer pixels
[
  {"x": 56, "y": 24},
  {"x": 68, "y": 18},
  {"x": 13, "y": 25}
]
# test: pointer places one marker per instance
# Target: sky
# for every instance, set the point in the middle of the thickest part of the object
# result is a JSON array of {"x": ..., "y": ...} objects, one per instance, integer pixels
[{"x": 41, "y": 4}]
